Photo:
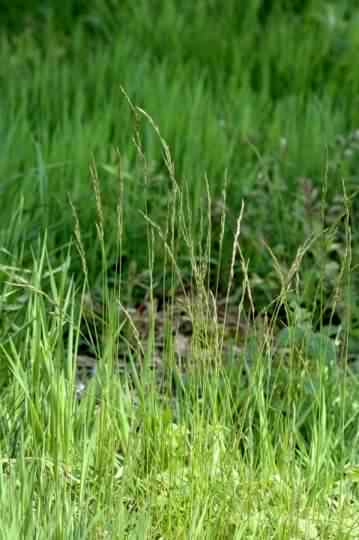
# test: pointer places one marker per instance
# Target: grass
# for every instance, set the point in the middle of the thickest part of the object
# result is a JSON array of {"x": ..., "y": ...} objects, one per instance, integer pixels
[{"x": 201, "y": 171}]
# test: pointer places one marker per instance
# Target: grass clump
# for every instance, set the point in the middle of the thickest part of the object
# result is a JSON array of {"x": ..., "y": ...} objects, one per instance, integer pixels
[
  {"x": 178, "y": 334},
  {"x": 235, "y": 427}
]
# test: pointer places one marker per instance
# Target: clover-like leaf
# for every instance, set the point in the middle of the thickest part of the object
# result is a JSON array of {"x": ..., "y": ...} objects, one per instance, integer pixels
[{"x": 315, "y": 346}]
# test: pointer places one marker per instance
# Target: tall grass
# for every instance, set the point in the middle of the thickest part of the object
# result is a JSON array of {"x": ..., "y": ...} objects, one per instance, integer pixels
[
  {"x": 262, "y": 99},
  {"x": 259, "y": 441},
  {"x": 202, "y": 167}
]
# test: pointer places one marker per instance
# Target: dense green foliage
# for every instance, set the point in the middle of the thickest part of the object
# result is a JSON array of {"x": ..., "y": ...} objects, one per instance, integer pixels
[
  {"x": 261, "y": 92},
  {"x": 148, "y": 145}
]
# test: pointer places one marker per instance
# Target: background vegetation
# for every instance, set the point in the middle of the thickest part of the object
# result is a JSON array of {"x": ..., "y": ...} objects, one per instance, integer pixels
[{"x": 258, "y": 105}]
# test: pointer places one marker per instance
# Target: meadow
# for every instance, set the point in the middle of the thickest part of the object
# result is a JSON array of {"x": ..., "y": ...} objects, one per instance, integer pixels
[{"x": 179, "y": 319}]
